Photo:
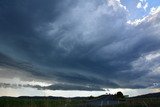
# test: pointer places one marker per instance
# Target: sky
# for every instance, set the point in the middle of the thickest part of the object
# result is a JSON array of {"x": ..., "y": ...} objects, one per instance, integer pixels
[{"x": 79, "y": 47}]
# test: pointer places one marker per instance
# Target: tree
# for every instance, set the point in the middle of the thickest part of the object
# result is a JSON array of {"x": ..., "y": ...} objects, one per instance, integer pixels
[{"x": 119, "y": 94}]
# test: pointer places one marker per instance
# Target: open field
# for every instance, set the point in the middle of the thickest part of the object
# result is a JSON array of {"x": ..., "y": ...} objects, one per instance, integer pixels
[
  {"x": 38, "y": 102},
  {"x": 64, "y": 102}
]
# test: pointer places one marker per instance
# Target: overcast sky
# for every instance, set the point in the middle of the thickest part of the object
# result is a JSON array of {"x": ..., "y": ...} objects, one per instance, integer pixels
[{"x": 94, "y": 46}]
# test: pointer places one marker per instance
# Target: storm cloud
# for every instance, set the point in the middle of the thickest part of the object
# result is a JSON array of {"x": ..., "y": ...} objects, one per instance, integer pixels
[{"x": 79, "y": 44}]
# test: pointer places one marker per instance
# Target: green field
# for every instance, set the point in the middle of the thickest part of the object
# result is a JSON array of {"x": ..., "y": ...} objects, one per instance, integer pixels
[
  {"x": 42, "y": 102},
  {"x": 62, "y": 102}
]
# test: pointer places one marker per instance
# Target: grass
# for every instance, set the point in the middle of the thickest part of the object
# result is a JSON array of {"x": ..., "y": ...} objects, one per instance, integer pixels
[
  {"x": 48, "y": 102},
  {"x": 42, "y": 102},
  {"x": 141, "y": 102}
]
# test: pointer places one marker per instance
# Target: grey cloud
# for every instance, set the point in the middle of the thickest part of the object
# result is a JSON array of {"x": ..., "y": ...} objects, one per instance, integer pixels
[
  {"x": 53, "y": 87},
  {"x": 76, "y": 42},
  {"x": 73, "y": 87}
]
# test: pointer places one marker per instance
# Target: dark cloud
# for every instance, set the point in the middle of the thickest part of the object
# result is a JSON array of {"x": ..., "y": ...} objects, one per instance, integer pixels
[
  {"x": 77, "y": 42},
  {"x": 73, "y": 87}
]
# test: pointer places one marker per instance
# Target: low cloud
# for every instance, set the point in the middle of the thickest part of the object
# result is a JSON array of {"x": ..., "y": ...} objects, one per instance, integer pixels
[{"x": 52, "y": 87}]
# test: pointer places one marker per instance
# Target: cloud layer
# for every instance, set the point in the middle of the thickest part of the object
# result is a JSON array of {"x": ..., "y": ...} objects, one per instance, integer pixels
[{"x": 79, "y": 43}]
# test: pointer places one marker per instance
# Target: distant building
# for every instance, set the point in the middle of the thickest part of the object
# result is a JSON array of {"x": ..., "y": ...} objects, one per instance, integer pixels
[
  {"x": 104, "y": 100},
  {"x": 126, "y": 96}
]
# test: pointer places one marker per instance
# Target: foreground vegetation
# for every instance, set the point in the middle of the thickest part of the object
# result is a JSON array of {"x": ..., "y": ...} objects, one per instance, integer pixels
[
  {"x": 139, "y": 102},
  {"x": 64, "y": 102},
  {"x": 38, "y": 102}
]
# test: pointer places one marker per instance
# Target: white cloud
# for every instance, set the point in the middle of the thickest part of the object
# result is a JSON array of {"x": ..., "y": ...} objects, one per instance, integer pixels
[
  {"x": 136, "y": 21},
  {"x": 154, "y": 10},
  {"x": 145, "y": 6},
  {"x": 152, "y": 56},
  {"x": 150, "y": 18},
  {"x": 139, "y": 5},
  {"x": 142, "y": 4}
]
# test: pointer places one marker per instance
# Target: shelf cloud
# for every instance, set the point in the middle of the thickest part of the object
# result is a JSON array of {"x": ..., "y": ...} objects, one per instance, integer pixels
[{"x": 78, "y": 44}]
